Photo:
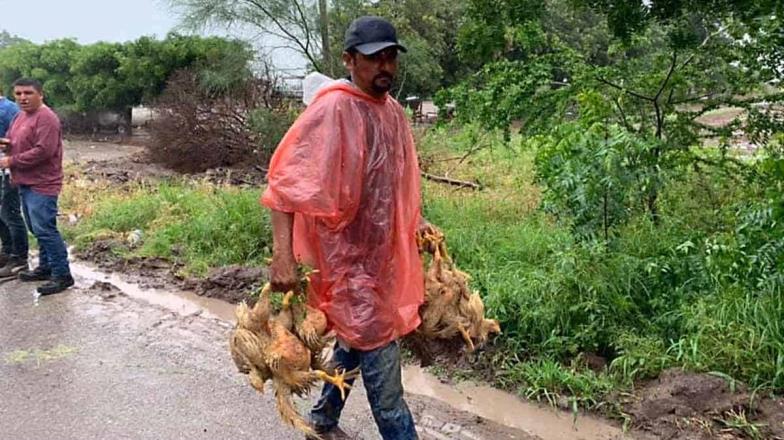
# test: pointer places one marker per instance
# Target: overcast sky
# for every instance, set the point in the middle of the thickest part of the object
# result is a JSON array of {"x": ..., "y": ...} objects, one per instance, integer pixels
[
  {"x": 86, "y": 20},
  {"x": 89, "y": 21}
]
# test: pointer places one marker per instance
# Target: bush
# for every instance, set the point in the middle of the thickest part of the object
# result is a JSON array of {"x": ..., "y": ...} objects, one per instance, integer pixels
[{"x": 199, "y": 127}]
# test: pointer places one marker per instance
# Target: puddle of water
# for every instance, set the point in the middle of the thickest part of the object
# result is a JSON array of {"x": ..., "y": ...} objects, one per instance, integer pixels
[
  {"x": 182, "y": 302},
  {"x": 506, "y": 409}
]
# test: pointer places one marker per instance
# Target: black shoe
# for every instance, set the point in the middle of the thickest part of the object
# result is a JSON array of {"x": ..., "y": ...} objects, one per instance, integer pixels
[
  {"x": 37, "y": 274},
  {"x": 56, "y": 285},
  {"x": 4, "y": 259},
  {"x": 13, "y": 266},
  {"x": 329, "y": 433}
]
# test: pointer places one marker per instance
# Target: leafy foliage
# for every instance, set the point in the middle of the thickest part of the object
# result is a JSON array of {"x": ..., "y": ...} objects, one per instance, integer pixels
[
  {"x": 594, "y": 174},
  {"x": 113, "y": 76},
  {"x": 7, "y": 39}
]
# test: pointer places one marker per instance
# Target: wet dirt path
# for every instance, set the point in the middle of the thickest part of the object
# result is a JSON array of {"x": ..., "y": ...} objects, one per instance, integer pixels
[{"x": 111, "y": 360}]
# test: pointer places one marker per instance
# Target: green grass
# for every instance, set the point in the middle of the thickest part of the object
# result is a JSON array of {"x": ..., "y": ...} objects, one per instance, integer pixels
[{"x": 198, "y": 225}]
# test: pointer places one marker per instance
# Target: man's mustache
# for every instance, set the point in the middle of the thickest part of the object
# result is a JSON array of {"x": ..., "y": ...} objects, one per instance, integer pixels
[{"x": 384, "y": 75}]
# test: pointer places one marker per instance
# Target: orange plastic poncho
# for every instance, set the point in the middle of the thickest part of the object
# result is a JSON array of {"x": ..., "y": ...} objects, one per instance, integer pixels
[{"x": 348, "y": 170}]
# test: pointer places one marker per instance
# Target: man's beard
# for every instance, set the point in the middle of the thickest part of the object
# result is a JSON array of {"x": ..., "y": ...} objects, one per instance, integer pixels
[{"x": 383, "y": 87}]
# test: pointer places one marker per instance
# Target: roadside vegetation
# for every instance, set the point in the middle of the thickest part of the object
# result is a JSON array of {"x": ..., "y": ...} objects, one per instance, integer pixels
[
  {"x": 193, "y": 224},
  {"x": 693, "y": 291}
]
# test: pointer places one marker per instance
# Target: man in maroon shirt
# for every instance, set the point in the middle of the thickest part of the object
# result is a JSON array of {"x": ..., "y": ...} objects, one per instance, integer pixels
[{"x": 34, "y": 154}]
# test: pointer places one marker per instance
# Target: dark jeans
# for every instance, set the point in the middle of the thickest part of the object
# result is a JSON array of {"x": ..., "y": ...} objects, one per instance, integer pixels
[
  {"x": 40, "y": 211},
  {"x": 381, "y": 375},
  {"x": 13, "y": 233}
]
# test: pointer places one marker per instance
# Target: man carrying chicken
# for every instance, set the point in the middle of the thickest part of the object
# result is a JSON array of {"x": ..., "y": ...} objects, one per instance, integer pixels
[{"x": 345, "y": 200}]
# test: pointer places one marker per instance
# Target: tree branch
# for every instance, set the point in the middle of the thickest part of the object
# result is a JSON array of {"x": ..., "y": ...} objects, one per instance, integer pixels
[
  {"x": 694, "y": 53},
  {"x": 696, "y": 98},
  {"x": 669, "y": 75},
  {"x": 625, "y": 90},
  {"x": 454, "y": 182},
  {"x": 622, "y": 113},
  {"x": 289, "y": 35}
]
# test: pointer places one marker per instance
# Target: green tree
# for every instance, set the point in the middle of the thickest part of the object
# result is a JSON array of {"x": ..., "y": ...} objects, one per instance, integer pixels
[
  {"x": 661, "y": 71},
  {"x": 116, "y": 77},
  {"x": 6, "y": 39},
  {"x": 427, "y": 27},
  {"x": 50, "y": 63}
]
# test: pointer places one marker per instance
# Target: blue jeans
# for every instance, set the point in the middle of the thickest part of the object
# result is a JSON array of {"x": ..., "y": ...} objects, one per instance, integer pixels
[
  {"x": 13, "y": 233},
  {"x": 380, "y": 370},
  {"x": 40, "y": 211}
]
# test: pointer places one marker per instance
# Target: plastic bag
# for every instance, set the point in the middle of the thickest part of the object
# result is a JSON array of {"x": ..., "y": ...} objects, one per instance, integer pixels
[
  {"x": 312, "y": 84},
  {"x": 348, "y": 170}
]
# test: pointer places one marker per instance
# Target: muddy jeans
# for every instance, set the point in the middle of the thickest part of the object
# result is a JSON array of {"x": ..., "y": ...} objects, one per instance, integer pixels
[{"x": 380, "y": 370}]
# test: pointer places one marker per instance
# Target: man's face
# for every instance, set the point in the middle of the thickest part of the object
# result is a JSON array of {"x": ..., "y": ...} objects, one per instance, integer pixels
[
  {"x": 375, "y": 73},
  {"x": 28, "y": 98}
]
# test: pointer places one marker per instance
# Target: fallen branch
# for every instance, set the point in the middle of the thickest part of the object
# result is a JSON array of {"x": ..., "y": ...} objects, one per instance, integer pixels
[{"x": 455, "y": 182}]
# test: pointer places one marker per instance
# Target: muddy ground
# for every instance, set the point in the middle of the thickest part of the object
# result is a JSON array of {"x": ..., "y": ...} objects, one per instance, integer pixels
[{"x": 676, "y": 406}]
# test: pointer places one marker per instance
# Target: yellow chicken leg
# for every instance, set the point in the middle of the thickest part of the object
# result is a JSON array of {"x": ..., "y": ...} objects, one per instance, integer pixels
[
  {"x": 466, "y": 338},
  {"x": 257, "y": 380},
  {"x": 286, "y": 302},
  {"x": 339, "y": 379}
]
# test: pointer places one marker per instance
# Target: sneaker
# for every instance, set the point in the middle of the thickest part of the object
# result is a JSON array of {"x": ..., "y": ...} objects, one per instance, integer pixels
[
  {"x": 37, "y": 274},
  {"x": 56, "y": 285},
  {"x": 13, "y": 266}
]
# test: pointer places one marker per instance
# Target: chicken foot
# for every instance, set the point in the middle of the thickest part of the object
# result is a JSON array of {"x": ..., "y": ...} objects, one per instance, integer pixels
[{"x": 338, "y": 379}]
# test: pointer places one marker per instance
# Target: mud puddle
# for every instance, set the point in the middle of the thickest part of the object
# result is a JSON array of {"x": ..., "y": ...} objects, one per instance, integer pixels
[
  {"x": 181, "y": 302},
  {"x": 508, "y": 410}
]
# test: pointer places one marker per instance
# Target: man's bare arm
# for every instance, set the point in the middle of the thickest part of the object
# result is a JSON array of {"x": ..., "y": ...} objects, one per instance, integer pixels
[{"x": 283, "y": 270}]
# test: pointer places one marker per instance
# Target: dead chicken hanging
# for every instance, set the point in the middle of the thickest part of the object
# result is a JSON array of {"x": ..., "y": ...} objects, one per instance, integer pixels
[
  {"x": 450, "y": 309},
  {"x": 286, "y": 348}
]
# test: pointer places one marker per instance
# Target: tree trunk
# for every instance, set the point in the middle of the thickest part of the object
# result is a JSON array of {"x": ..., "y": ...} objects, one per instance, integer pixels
[
  {"x": 325, "y": 49},
  {"x": 125, "y": 127}
]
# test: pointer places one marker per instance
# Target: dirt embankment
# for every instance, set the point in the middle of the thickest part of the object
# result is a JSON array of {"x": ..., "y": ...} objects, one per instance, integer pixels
[{"x": 689, "y": 406}]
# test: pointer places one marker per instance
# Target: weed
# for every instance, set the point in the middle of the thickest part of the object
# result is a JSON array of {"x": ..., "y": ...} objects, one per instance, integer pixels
[{"x": 738, "y": 420}]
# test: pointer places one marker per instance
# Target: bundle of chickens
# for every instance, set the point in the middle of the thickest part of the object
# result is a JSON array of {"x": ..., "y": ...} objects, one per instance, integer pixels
[
  {"x": 452, "y": 314},
  {"x": 285, "y": 346}
]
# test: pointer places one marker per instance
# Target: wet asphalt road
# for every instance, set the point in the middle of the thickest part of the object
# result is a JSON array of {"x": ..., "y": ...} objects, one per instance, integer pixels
[{"x": 94, "y": 363}]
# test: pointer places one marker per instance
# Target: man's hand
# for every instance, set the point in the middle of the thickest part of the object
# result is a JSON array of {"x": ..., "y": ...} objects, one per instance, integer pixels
[
  {"x": 4, "y": 143},
  {"x": 425, "y": 230},
  {"x": 283, "y": 272},
  {"x": 5, "y": 162}
]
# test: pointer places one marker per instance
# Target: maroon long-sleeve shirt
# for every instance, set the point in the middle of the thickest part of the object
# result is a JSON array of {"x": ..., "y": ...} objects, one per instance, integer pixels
[{"x": 37, "y": 151}]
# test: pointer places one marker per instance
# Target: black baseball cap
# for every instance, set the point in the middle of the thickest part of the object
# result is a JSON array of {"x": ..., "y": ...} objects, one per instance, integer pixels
[{"x": 369, "y": 35}]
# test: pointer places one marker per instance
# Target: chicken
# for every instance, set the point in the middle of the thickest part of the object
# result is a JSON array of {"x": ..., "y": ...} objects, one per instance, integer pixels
[
  {"x": 310, "y": 325},
  {"x": 267, "y": 346},
  {"x": 289, "y": 360},
  {"x": 450, "y": 308}
]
